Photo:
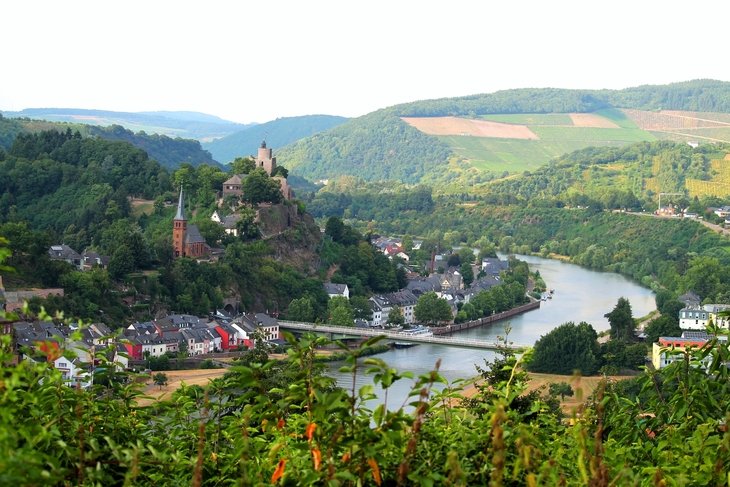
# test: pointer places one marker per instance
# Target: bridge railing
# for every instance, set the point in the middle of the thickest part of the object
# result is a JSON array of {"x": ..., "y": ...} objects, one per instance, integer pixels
[{"x": 402, "y": 336}]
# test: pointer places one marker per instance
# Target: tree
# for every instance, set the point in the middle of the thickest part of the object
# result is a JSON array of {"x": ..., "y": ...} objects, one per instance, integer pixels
[
  {"x": 395, "y": 316},
  {"x": 621, "y": 320},
  {"x": 300, "y": 310},
  {"x": 280, "y": 171},
  {"x": 466, "y": 255},
  {"x": 664, "y": 326},
  {"x": 432, "y": 309},
  {"x": 467, "y": 273},
  {"x": 362, "y": 308},
  {"x": 242, "y": 165},
  {"x": 407, "y": 243},
  {"x": 258, "y": 187},
  {"x": 211, "y": 231},
  {"x": 160, "y": 379},
  {"x": 561, "y": 389},
  {"x": 247, "y": 226},
  {"x": 566, "y": 349},
  {"x": 121, "y": 262},
  {"x": 340, "y": 311}
]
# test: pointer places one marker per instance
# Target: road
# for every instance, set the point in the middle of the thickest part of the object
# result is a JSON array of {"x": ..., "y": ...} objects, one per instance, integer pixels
[{"x": 709, "y": 225}]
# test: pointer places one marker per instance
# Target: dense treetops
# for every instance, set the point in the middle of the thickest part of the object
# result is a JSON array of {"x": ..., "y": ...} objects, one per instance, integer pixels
[
  {"x": 167, "y": 151},
  {"x": 615, "y": 177},
  {"x": 57, "y": 180}
]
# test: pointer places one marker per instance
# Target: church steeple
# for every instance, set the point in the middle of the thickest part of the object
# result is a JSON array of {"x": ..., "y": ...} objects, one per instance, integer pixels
[
  {"x": 179, "y": 228},
  {"x": 181, "y": 207}
]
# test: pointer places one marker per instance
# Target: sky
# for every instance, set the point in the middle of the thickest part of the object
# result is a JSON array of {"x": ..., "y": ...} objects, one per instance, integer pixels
[{"x": 255, "y": 61}]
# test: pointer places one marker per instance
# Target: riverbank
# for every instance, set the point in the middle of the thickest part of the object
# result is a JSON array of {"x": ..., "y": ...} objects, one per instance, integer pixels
[{"x": 487, "y": 320}]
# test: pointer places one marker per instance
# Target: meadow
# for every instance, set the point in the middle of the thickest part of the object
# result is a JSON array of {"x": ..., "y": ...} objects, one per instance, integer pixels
[
  {"x": 591, "y": 134},
  {"x": 514, "y": 155},
  {"x": 618, "y": 117},
  {"x": 531, "y": 118}
]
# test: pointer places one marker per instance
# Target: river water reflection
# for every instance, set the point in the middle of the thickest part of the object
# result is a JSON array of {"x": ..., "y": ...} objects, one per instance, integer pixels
[{"x": 581, "y": 294}]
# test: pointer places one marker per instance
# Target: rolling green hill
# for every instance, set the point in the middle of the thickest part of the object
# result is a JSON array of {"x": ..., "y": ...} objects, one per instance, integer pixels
[
  {"x": 381, "y": 145},
  {"x": 191, "y": 125},
  {"x": 277, "y": 133},
  {"x": 376, "y": 146}
]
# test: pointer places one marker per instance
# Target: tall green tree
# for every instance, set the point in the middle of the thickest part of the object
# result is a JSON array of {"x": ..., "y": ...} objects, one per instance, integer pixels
[
  {"x": 300, "y": 310},
  {"x": 246, "y": 225},
  {"x": 340, "y": 311},
  {"x": 395, "y": 316},
  {"x": 566, "y": 349},
  {"x": 467, "y": 273},
  {"x": 621, "y": 321},
  {"x": 258, "y": 187},
  {"x": 432, "y": 309},
  {"x": 242, "y": 165}
]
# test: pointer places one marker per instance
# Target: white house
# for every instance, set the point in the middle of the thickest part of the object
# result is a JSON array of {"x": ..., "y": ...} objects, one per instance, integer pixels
[{"x": 336, "y": 290}]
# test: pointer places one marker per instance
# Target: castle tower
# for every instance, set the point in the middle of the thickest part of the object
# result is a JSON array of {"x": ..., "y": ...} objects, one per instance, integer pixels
[
  {"x": 265, "y": 159},
  {"x": 179, "y": 228}
]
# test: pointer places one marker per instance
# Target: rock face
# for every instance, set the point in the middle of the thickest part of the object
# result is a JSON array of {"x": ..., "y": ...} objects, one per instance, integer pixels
[{"x": 294, "y": 236}]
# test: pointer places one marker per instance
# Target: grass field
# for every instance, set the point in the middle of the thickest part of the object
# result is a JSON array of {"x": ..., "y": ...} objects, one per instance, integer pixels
[
  {"x": 591, "y": 134},
  {"x": 618, "y": 117},
  {"x": 531, "y": 118},
  {"x": 514, "y": 155},
  {"x": 142, "y": 206}
]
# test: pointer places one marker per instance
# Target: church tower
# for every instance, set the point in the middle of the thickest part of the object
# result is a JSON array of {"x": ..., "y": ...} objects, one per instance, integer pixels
[{"x": 179, "y": 228}]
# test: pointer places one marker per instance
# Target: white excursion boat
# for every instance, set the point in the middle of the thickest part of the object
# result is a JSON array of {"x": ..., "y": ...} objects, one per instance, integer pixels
[{"x": 418, "y": 331}]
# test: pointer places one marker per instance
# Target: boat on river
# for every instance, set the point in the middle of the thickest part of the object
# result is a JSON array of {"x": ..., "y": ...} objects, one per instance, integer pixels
[{"x": 418, "y": 331}]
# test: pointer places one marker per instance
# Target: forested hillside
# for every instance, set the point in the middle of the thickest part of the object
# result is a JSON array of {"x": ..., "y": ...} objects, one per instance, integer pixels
[
  {"x": 607, "y": 175},
  {"x": 381, "y": 146},
  {"x": 375, "y": 147},
  {"x": 163, "y": 149},
  {"x": 63, "y": 183},
  {"x": 277, "y": 133},
  {"x": 167, "y": 151},
  {"x": 698, "y": 95},
  {"x": 9, "y": 129},
  {"x": 192, "y": 125}
]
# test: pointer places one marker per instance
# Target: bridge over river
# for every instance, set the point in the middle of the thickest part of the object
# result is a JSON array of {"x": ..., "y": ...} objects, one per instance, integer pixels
[{"x": 398, "y": 335}]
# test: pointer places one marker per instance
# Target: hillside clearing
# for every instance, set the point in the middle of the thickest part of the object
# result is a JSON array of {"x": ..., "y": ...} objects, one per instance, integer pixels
[
  {"x": 592, "y": 120},
  {"x": 469, "y": 127}
]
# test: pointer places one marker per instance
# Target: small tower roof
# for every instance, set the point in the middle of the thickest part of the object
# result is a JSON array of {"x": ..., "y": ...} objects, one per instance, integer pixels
[{"x": 180, "y": 215}]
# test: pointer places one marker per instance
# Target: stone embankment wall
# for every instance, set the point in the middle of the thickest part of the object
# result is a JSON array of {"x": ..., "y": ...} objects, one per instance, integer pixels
[{"x": 448, "y": 330}]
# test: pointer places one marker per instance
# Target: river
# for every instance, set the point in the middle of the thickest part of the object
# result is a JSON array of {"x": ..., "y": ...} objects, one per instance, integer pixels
[{"x": 581, "y": 294}]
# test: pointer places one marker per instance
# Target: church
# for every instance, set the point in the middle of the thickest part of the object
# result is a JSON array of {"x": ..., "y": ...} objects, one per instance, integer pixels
[{"x": 186, "y": 240}]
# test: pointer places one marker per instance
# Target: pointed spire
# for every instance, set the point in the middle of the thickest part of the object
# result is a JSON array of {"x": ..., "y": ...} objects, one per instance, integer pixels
[{"x": 180, "y": 207}]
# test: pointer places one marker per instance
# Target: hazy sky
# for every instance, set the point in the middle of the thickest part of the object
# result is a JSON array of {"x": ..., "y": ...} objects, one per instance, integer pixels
[{"x": 254, "y": 61}]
